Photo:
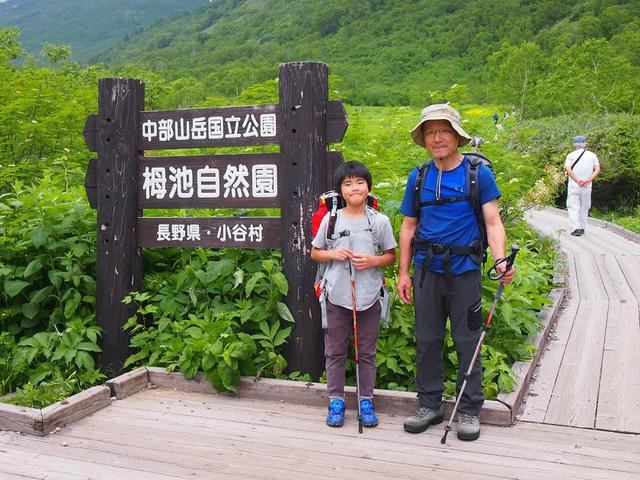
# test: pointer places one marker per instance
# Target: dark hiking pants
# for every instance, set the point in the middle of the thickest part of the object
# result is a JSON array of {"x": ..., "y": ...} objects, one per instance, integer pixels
[
  {"x": 336, "y": 343},
  {"x": 433, "y": 306}
]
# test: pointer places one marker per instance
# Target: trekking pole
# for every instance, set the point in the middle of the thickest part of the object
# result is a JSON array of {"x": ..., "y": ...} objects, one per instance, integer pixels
[
  {"x": 487, "y": 324},
  {"x": 355, "y": 341}
]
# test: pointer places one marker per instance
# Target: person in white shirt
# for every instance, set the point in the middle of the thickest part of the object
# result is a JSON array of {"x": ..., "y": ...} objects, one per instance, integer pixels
[{"x": 583, "y": 167}]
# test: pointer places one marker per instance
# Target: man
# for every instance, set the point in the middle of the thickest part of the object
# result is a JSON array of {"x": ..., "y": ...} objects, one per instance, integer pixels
[
  {"x": 447, "y": 266},
  {"x": 583, "y": 167}
]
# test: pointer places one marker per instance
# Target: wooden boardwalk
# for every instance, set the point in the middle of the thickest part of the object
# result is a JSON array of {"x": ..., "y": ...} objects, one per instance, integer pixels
[
  {"x": 588, "y": 375},
  {"x": 581, "y": 419},
  {"x": 161, "y": 434}
]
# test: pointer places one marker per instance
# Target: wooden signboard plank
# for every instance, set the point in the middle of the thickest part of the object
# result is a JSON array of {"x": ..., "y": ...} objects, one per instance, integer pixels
[
  {"x": 90, "y": 183},
  {"x": 337, "y": 121},
  {"x": 212, "y": 232},
  {"x": 209, "y": 127},
  {"x": 90, "y": 132},
  {"x": 210, "y": 181}
]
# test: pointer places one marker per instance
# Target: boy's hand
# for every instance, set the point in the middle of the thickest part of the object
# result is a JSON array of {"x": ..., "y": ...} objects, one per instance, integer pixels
[
  {"x": 361, "y": 261},
  {"x": 404, "y": 288},
  {"x": 341, "y": 254}
]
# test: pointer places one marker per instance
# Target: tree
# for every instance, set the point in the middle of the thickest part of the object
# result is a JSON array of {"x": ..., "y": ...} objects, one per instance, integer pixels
[
  {"x": 513, "y": 71},
  {"x": 590, "y": 77},
  {"x": 55, "y": 53},
  {"x": 10, "y": 48}
]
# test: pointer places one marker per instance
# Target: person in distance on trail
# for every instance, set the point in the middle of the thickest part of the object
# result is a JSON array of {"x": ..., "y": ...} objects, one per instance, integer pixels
[
  {"x": 444, "y": 240},
  {"x": 582, "y": 167},
  {"x": 362, "y": 241}
]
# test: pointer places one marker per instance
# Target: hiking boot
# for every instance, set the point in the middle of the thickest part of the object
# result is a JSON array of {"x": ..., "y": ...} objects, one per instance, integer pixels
[
  {"x": 582, "y": 231},
  {"x": 576, "y": 232},
  {"x": 335, "y": 417},
  {"x": 369, "y": 417},
  {"x": 468, "y": 427},
  {"x": 421, "y": 420}
]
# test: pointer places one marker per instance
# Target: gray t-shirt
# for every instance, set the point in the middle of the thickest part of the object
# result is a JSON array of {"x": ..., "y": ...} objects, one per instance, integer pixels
[{"x": 362, "y": 233}]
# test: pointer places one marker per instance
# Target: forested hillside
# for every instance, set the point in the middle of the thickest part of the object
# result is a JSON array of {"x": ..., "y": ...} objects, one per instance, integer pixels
[
  {"x": 548, "y": 55},
  {"x": 87, "y": 26}
]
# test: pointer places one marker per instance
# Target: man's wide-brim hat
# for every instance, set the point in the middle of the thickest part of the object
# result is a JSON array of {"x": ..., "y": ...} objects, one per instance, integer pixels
[{"x": 440, "y": 111}]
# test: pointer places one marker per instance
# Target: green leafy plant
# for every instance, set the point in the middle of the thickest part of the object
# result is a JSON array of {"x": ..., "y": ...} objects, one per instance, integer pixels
[{"x": 219, "y": 313}]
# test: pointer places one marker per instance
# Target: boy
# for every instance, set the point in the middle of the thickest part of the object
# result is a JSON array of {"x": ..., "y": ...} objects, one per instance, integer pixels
[{"x": 360, "y": 235}]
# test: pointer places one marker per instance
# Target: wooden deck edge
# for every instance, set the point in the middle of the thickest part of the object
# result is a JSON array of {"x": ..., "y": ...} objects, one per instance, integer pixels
[
  {"x": 128, "y": 383},
  {"x": 315, "y": 394},
  {"x": 75, "y": 407},
  {"x": 33, "y": 421},
  {"x": 523, "y": 371},
  {"x": 20, "y": 419},
  {"x": 623, "y": 232}
]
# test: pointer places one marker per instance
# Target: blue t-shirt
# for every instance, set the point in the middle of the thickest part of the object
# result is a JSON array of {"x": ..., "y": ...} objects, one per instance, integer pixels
[{"x": 452, "y": 223}]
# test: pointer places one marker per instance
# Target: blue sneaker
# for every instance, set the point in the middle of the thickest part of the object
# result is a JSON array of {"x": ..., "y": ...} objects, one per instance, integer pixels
[
  {"x": 335, "y": 417},
  {"x": 369, "y": 417}
]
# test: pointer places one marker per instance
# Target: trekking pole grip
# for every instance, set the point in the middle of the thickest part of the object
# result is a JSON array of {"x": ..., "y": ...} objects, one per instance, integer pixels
[{"x": 512, "y": 257}]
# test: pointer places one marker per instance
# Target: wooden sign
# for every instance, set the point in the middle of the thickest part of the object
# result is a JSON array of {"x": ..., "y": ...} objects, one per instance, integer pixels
[
  {"x": 214, "y": 181},
  {"x": 121, "y": 183},
  {"x": 209, "y": 127},
  {"x": 211, "y": 232}
]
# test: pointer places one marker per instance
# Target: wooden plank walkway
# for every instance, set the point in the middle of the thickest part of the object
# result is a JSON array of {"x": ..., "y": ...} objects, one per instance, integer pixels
[
  {"x": 161, "y": 434},
  {"x": 588, "y": 376}
]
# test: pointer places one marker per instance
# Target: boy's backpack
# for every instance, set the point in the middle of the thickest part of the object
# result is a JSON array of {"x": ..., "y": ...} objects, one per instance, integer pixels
[
  {"x": 328, "y": 204},
  {"x": 473, "y": 195}
]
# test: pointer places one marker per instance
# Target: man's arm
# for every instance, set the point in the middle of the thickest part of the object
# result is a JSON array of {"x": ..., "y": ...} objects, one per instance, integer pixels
[
  {"x": 569, "y": 171},
  {"x": 407, "y": 231},
  {"x": 596, "y": 172},
  {"x": 496, "y": 237}
]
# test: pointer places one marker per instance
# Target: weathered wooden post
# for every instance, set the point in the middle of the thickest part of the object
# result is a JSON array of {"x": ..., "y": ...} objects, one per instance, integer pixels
[
  {"x": 119, "y": 269},
  {"x": 303, "y": 146}
]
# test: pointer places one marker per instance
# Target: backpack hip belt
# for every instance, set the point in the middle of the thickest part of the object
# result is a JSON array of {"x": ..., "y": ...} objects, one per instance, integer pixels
[{"x": 475, "y": 251}]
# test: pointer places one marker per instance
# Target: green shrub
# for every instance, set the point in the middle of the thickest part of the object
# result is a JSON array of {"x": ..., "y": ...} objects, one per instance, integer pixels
[
  {"x": 216, "y": 311},
  {"x": 47, "y": 287}
]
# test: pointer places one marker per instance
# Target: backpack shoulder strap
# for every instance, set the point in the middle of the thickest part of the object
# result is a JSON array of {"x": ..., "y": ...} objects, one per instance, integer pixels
[
  {"x": 374, "y": 226},
  {"x": 473, "y": 187},
  {"x": 419, "y": 185},
  {"x": 473, "y": 166}
]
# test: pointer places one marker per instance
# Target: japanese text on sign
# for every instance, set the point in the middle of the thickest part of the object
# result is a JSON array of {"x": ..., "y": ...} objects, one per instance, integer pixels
[
  {"x": 224, "y": 233},
  {"x": 210, "y": 128},
  {"x": 235, "y": 182}
]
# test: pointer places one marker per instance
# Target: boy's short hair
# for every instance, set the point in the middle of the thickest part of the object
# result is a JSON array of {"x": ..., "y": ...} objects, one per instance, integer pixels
[{"x": 351, "y": 169}]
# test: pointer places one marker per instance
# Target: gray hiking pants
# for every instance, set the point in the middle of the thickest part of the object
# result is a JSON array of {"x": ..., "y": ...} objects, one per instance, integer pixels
[
  {"x": 336, "y": 343},
  {"x": 432, "y": 308}
]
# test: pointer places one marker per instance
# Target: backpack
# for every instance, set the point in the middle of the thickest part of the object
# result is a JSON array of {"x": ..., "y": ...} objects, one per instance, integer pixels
[
  {"x": 328, "y": 204},
  {"x": 473, "y": 165}
]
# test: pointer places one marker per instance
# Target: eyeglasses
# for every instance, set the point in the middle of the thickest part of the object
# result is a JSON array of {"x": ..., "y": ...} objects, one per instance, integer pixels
[{"x": 443, "y": 132}]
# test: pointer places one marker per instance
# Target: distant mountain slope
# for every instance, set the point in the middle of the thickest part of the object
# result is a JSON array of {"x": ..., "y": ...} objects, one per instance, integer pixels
[
  {"x": 87, "y": 25},
  {"x": 385, "y": 51}
]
